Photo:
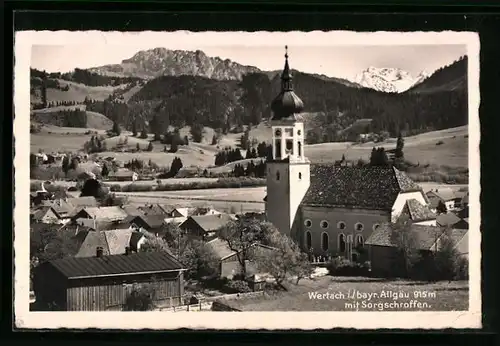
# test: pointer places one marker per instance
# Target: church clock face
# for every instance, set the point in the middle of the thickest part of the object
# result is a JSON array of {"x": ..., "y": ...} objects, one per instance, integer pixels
[{"x": 278, "y": 132}]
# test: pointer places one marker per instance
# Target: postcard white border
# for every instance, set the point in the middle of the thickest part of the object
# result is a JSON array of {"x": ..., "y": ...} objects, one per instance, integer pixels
[{"x": 237, "y": 320}]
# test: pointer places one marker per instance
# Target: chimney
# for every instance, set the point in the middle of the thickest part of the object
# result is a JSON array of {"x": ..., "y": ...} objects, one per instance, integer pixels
[
  {"x": 99, "y": 251},
  {"x": 127, "y": 250}
]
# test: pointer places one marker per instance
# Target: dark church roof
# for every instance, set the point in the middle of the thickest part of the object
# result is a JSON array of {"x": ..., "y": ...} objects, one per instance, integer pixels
[
  {"x": 287, "y": 104},
  {"x": 356, "y": 187}
]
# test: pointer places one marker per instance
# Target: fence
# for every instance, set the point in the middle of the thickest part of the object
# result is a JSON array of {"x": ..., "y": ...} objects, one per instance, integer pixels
[{"x": 201, "y": 306}]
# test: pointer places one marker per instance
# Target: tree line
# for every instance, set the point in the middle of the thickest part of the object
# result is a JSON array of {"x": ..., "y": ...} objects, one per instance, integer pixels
[{"x": 85, "y": 77}]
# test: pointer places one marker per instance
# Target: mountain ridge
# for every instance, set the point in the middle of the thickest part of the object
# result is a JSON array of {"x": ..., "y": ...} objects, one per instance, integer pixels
[{"x": 156, "y": 62}]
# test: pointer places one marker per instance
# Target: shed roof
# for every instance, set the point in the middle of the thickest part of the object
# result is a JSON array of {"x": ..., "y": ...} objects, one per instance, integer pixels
[
  {"x": 425, "y": 236},
  {"x": 357, "y": 187},
  {"x": 447, "y": 219},
  {"x": 153, "y": 221},
  {"x": 116, "y": 265},
  {"x": 417, "y": 211},
  {"x": 39, "y": 212},
  {"x": 211, "y": 222},
  {"x": 106, "y": 213}
]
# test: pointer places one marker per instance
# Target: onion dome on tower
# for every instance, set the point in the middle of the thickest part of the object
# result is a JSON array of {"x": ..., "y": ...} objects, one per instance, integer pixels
[{"x": 287, "y": 104}]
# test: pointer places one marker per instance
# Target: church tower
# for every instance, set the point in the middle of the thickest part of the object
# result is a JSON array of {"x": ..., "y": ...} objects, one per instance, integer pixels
[{"x": 288, "y": 172}]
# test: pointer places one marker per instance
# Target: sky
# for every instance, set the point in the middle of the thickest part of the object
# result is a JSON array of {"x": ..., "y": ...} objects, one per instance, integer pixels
[{"x": 342, "y": 60}]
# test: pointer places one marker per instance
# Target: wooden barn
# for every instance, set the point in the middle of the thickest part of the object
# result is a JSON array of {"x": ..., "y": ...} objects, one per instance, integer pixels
[{"x": 103, "y": 283}]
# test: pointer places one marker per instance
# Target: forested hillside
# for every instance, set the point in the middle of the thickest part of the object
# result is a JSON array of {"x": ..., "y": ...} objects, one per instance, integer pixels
[{"x": 439, "y": 102}]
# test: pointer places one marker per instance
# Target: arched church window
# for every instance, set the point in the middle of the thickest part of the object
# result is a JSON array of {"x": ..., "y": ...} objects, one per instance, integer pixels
[
  {"x": 308, "y": 240},
  {"x": 299, "y": 132},
  {"x": 277, "y": 175},
  {"x": 324, "y": 241},
  {"x": 289, "y": 145},
  {"x": 300, "y": 175},
  {"x": 341, "y": 242},
  {"x": 278, "y": 148},
  {"x": 359, "y": 241},
  {"x": 299, "y": 147}
]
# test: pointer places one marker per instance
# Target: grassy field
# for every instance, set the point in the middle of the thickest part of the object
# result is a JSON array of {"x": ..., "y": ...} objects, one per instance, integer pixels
[
  {"x": 418, "y": 149},
  {"x": 244, "y": 194},
  {"x": 443, "y": 296},
  {"x": 223, "y": 206}
]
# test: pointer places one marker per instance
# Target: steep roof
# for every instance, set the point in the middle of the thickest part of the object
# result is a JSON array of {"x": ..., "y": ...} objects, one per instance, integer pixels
[
  {"x": 211, "y": 222},
  {"x": 62, "y": 207},
  {"x": 106, "y": 213},
  {"x": 356, "y": 187},
  {"x": 41, "y": 211},
  {"x": 425, "y": 236},
  {"x": 153, "y": 221},
  {"x": 134, "y": 263},
  {"x": 155, "y": 209},
  {"x": 417, "y": 211},
  {"x": 132, "y": 210},
  {"x": 445, "y": 194},
  {"x": 447, "y": 219},
  {"x": 113, "y": 242}
]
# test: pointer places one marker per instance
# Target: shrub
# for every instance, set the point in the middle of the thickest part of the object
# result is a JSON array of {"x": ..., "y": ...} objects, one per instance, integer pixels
[
  {"x": 237, "y": 286},
  {"x": 461, "y": 268},
  {"x": 340, "y": 266}
]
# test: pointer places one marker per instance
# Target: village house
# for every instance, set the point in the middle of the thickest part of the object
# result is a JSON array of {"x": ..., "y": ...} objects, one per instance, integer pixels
[
  {"x": 45, "y": 214},
  {"x": 101, "y": 214},
  {"x": 124, "y": 174},
  {"x": 385, "y": 257},
  {"x": 153, "y": 224},
  {"x": 112, "y": 242},
  {"x": 328, "y": 210},
  {"x": 103, "y": 283},
  {"x": 229, "y": 265},
  {"x": 61, "y": 206},
  {"x": 450, "y": 198},
  {"x": 156, "y": 209},
  {"x": 205, "y": 227}
]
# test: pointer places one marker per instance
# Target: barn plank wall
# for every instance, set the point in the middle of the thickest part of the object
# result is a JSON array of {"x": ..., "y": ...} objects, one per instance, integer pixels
[{"x": 107, "y": 294}]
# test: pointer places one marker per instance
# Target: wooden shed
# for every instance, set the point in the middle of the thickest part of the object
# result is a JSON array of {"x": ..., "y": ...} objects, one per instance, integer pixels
[{"x": 103, "y": 283}]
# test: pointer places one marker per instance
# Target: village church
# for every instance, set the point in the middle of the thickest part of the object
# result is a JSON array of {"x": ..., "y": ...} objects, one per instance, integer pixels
[{"x": 330, "y": 210}]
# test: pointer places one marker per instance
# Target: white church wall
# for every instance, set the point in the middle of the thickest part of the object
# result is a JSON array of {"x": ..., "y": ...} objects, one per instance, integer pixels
[{"x": 335, "y": 217}]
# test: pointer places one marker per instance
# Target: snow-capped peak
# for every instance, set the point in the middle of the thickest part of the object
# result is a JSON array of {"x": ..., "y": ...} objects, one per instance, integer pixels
[{"x": 387, "y": 79}]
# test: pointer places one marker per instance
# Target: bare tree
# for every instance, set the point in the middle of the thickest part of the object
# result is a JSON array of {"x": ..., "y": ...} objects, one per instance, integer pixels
[
  {"x": 406, "y": 243},
  {"x": 241, "y": 235}
]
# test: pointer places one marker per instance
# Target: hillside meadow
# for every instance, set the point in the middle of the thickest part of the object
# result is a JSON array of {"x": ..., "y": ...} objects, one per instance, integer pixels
[
  {"x": 95, "y": 121},
  {"x": 444, "y": 151},
  {"x": 77, "y": 92}
]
